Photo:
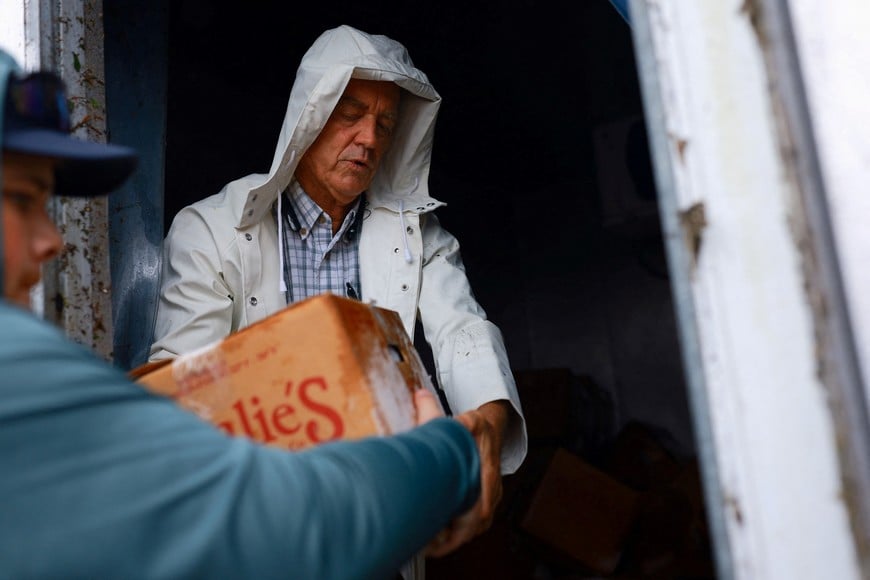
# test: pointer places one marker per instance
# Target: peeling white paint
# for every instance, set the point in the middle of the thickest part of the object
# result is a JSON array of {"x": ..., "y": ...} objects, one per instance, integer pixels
[
  {"x": 834, "y": 49},
  {"x": 773, "y": 432}
]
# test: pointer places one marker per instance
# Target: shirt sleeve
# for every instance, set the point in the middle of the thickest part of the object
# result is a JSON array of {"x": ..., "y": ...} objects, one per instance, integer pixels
[{"x": 103, "y": 479}]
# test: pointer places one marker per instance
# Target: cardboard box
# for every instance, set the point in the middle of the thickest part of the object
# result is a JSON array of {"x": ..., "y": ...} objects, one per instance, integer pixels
[
  {"x": 582, "y": 512},
  {"x": 639, "y": 458},
  {"x": 322, "y": 369}
]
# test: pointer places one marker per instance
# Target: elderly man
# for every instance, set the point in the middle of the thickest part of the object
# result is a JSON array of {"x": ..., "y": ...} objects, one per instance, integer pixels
[
  {"x": 346, "y": 209},
  {"x": 102, "y": 479}
]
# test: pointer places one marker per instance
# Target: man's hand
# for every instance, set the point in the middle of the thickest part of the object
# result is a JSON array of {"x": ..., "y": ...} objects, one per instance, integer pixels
[{"x": 487, "y": 424}]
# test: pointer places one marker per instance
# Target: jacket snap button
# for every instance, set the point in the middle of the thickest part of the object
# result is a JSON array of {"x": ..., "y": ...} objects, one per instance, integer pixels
[
  {"x": 404, "y": 287},
  {"x": 253, "y": 300},
  {"x": 395, "y": 250},
  {"x": 410, "y": 230},
  {"x": 421, "y": 208},
  {"x": 249, "y": 237}
]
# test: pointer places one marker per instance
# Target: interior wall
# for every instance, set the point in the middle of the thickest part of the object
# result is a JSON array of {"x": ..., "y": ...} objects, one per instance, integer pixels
[{"x": 571, "y": 271}]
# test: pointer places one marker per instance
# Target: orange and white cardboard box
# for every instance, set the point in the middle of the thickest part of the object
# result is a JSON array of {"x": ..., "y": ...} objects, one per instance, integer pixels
[{"x": 322, "y": 369}]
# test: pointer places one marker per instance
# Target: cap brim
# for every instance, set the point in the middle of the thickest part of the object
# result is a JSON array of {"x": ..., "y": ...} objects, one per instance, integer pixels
[{"x": 84, "y": 168}]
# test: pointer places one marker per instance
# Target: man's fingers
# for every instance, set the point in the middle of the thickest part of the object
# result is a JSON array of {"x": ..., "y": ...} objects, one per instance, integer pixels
[
  {"x": 427, "y": 405},
  {"x": 480, "y": 517},
  {"x": 461, "y": 530}
]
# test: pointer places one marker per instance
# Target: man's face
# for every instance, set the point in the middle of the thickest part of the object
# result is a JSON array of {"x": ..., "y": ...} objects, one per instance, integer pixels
[
  {"x": 29, "y": 235},
  {"x": 342, "y": 161}
]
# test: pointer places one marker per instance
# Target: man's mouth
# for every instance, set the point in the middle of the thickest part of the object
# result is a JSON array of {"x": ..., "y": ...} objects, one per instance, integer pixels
[{"x": 361, "y": 163}]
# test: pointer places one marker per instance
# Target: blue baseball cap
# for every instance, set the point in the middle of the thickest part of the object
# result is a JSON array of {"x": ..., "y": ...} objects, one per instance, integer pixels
[{"x": 36, "y": 122}]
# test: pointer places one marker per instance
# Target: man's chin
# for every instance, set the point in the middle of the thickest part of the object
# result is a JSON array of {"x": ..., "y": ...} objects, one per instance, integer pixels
[
  {"x": 352, "y": 189},
  {"x": 356, "y": 177},
  {"x": 20, "y": 299}
]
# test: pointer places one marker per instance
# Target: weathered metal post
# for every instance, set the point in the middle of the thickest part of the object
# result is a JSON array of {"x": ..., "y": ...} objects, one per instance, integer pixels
[{"x": 76, "y": 287}]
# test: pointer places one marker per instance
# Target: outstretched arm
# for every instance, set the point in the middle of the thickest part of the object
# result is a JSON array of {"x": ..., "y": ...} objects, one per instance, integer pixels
[{"x": 110, "y": 480}]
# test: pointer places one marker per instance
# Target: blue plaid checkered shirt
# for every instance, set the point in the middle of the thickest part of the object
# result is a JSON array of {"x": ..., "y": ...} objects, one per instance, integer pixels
[{"x": 315, "y": 261}]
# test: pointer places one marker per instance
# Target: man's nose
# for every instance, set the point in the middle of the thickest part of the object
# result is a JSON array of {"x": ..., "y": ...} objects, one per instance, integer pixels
[
  {"x": 367, "y": 132},
  {"x": 47, "y": 242}
]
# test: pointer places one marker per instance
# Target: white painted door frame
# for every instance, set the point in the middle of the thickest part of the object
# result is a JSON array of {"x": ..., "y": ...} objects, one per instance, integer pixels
[{"x": 772, "y": 327}]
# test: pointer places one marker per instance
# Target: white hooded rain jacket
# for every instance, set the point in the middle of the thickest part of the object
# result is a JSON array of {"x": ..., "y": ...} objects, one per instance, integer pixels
[{"x": 222, "y": 268}]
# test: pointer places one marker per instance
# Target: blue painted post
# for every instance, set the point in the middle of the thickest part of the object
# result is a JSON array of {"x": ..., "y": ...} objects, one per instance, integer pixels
[{"x": 136, "y": 52}]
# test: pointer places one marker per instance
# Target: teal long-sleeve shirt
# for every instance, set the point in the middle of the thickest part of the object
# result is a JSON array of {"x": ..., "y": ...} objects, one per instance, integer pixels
[{"x": 101, "y": 479}]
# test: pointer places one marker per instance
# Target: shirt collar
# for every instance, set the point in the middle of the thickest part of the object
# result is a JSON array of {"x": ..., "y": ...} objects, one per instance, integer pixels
[{"x": 304, "y": 213}]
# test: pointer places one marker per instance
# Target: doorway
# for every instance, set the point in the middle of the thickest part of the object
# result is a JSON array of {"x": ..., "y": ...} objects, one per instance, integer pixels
[{"x": 540, "y": 153}]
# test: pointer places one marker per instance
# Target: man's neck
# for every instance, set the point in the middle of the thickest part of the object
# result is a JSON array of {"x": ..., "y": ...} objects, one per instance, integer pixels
[{"x": 336, "y": 211}]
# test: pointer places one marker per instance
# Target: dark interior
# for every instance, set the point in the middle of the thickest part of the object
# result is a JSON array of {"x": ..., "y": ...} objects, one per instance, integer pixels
[{"x": 541, "y": 155}]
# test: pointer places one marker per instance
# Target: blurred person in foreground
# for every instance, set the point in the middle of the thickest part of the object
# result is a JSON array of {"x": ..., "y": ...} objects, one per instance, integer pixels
[{"x": 102, "y": 479}]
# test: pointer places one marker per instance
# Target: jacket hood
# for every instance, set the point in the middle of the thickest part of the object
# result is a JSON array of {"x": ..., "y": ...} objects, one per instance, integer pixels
[{"x": 335, "y": 57}]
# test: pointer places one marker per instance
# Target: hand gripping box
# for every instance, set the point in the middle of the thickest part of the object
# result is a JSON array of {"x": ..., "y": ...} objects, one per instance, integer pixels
[{"x": 322, "y": 369}]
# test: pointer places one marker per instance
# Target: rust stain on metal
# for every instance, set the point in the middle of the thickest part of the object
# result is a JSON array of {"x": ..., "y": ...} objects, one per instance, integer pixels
[
  {"x": 693, "y": 221},
  {"x": 732, "y": 505},
  {"x": 752, "y": 10},
  {"x": 680, "y": 144}
]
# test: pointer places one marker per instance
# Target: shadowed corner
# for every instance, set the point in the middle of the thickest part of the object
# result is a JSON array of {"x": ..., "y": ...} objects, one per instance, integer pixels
[{"x": 622, "y": 7}]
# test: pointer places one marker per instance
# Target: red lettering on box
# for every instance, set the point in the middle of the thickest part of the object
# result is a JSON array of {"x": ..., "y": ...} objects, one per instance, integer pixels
[
  {"x": 250, "y": 418},
  {"x": 328, "y": 412}
]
